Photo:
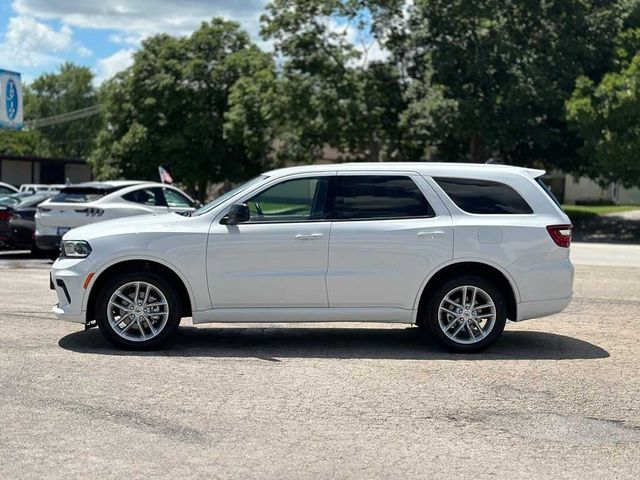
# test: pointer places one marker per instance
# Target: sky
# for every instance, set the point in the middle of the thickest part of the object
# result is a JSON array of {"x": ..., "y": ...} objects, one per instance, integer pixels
[{"x": 36, "y": 36}]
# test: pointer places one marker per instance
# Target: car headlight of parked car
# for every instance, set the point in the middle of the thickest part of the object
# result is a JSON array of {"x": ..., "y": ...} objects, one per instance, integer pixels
[{"x": 75, "y": 249}]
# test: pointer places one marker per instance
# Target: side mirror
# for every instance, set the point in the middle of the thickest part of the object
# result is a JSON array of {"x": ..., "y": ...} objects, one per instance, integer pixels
[{"x": 238, "y": 213}]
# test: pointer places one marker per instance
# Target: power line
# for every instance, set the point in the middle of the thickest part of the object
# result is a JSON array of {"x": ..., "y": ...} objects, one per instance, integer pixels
[{"x": 63, "y": 117}]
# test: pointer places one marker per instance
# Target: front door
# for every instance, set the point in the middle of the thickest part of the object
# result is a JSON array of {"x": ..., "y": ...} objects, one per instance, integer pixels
[
  {"x": 279, "y": 257},
  {"x": 390, "y": 231}
]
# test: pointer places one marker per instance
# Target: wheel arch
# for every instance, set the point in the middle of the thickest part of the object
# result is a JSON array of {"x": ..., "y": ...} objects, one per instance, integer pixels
[
  {"x": 471, "y": 267},
  {"x": 128, "y": 265}
]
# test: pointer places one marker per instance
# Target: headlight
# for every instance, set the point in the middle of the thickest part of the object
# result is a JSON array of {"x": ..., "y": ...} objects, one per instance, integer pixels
[{"x": 75, "y": 249}]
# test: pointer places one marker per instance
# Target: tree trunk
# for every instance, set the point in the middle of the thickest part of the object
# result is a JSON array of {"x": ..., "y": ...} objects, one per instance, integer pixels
[{"x": 476, "y": 149}]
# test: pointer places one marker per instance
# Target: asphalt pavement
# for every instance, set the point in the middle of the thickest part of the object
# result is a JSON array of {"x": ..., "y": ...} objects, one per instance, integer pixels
[{"x": 556, "y": 398}]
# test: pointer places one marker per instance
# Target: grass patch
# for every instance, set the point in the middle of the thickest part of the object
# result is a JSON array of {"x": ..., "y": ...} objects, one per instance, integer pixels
[{"x": 596, "y": 210}]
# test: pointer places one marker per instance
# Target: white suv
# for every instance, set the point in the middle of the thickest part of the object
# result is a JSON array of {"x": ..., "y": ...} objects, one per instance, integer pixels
[{"x": 455, "y": 248}]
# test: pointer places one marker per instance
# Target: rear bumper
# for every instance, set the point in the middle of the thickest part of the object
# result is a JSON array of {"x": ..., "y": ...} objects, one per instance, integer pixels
[
  {"x": 541, "y": 308},
  {"x": 48, "y": 242}
]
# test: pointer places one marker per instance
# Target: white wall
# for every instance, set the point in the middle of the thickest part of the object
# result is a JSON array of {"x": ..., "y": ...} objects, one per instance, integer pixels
[{"x": 584, "y": 189}]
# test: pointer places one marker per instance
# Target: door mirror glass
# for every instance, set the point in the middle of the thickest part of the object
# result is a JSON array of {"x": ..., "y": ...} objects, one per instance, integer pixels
[{"x": 238, "y": 213}]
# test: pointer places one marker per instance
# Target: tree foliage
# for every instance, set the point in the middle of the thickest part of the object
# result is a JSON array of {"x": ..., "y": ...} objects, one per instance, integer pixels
[
  {"x": 509, "y": 65},
  {"x": 606, "y": 116},
  {"x": 71, "y": 88},
  {"x": 182, "y": 105},
  {"x": 23, "y": 143},
  {"x": 532, "y": 82},
  {"x": 330, "y": 92}
]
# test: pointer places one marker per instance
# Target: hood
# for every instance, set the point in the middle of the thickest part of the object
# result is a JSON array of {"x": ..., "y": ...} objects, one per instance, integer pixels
[{"x": 166, "y": 222}]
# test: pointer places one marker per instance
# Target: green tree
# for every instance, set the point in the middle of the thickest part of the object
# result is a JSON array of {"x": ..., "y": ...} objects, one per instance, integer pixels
[
  {"x": 70, "y": 89},
  {"x": 182, "y": 105},
  {"x": 606, "y": 116},
  {"x": 330, "y": 92},
  {"x": 509, "y": 66},
  {"x": 23, "y": 143}
]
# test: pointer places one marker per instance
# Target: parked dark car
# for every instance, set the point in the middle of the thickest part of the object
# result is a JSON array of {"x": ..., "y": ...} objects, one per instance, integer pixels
[{"x": 17, "y": 224}]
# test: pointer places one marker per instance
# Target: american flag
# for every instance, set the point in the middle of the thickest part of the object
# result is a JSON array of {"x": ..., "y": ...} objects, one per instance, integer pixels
[{"x": 164, "y": 176}]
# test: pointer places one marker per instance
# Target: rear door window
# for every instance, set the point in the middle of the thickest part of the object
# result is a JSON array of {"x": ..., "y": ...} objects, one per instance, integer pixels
[
  {"x": 371, "y": 197},
  {"x": 483, "y": 196}
]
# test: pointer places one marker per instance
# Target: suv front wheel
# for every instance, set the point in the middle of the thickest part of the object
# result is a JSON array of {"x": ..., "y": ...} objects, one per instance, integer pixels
[
  {"x": 138, "y": 311},
  {"x": 466, "y": 314}
]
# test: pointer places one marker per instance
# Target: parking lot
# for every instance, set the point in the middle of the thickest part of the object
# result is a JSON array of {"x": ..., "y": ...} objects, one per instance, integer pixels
[{"x": 555, "y": 398}]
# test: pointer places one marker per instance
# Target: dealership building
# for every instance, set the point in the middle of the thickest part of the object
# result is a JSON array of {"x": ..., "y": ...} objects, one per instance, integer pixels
[{"x": 17, "y": 170}]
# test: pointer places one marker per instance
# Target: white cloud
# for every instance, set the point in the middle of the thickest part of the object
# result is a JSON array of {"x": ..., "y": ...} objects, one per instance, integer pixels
[
  {"x": 29, "y": 43},
  {"x": 144, "y": 17},
  {"x": 84, "y": 51},
  {"x": 108, "y": 67},
  {"x": 125, "y": 39},
  {"x": 362, "y": 40}
]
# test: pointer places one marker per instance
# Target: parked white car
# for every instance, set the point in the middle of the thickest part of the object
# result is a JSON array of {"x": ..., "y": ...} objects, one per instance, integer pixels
[
  {"x": 40, "y": 188},
  {"x": 91, "y": 202},
  {"x": 6, "y": 189},
  {"x": 454, "y": 248}
]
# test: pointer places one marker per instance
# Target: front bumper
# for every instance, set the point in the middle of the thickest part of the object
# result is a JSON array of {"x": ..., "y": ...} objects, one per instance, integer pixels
[{"x": 67, "y": 279}]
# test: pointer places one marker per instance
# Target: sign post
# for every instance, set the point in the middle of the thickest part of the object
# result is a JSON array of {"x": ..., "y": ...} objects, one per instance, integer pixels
[{"x": 11, "y": 115}]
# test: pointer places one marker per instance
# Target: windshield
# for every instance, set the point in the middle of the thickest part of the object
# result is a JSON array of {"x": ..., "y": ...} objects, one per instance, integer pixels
[
  {"x": 33, "y": 200},
  {"x": 83, "y": 194},
  {"x": 222, "y": 198},
  {"x": 9, "y": 200}
]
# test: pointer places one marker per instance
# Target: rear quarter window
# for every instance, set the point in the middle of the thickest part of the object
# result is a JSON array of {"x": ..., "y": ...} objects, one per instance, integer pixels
[{"x": 483, "y": 196}]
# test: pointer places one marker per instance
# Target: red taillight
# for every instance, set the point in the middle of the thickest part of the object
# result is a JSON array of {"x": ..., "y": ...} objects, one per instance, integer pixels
[
  {"x": 5, "y": 215},
  {"x": 560, "y": 234}
]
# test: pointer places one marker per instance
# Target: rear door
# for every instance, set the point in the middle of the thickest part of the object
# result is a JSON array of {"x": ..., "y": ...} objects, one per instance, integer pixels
[{"x": 390, "y": 230}]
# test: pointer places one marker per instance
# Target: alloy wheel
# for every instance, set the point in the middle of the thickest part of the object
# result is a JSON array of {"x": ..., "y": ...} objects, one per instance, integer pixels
[
  {"x": 138, "y": 311},
  {"x": 467, "y": 314}
]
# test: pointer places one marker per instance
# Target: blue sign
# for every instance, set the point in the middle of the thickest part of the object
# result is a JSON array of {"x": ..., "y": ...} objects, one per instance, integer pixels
[
  {"x": 10, "y": 100},
  {"x": 11, "y": 96}
]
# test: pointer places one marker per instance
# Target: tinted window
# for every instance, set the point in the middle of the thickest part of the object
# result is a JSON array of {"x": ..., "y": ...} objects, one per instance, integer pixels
[
  {"x": 151, "y": 197},
  {"x": 548, "y": 191},
  {"x": 4, "y": 190},
  {"x": 301, "y": 199},
  {"x": 377, "y": 196},
  {"x": 32, "y": 201},
  {"x": 176, "y": 199},
  {"x": 482, "y": 196},
  {"x": 80, "y": 194}
]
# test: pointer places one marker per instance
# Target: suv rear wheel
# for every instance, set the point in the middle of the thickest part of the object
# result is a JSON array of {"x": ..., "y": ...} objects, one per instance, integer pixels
[
  {"x": 466, "y": 314},
  {"x": 138, "y": 311}
]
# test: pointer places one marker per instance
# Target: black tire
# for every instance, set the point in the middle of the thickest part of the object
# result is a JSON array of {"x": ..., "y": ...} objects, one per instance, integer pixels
[
  {"x": 430, "y": 318},
  {"x": 113, "y": 284}
]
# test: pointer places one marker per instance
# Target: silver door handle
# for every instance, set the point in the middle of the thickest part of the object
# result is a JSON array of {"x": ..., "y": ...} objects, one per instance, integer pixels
[
  {"x": 308, "y": 236},
  {"x": 431, "y": 234}
]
